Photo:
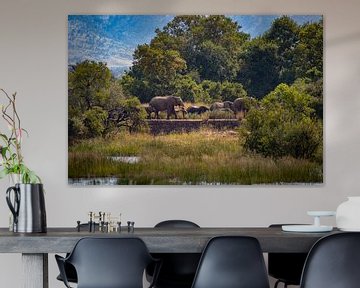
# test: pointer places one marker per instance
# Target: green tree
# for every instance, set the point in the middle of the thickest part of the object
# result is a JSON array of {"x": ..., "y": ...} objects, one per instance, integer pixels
[
  {"x": 231, "y": 90},
  {"x": 189, "y": 33},
  {"x": 154, "y": 70},
  {"x": 213, "y": 89},
  {"x": 213, "y": 46},
  {"x": 284, "y": 32},
  {"x": 308, "y": 58},
  {"x": 315, "y": 89},
  {"x": 88, "y": 85},
  {"x": 259, "y": 71},
  {"x": 207, "y": 47},
  {"x": 215, "y": 62},
  {"x": 189, "y": 90},
  {"x": 135, "y": 86},
  {"x": 93, "y": 95},
  {"x": 116, "y": 94}
]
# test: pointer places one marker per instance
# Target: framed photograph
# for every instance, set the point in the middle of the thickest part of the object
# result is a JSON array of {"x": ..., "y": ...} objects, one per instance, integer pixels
[{"x": 195, "y": 99}]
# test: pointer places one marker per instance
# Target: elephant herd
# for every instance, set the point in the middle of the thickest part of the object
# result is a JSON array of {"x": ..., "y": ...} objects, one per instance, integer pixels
[{"x": 168, "y": 104}]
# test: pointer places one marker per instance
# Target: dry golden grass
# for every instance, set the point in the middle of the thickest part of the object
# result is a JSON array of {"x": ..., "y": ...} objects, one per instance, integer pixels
[{"x": 203, "y": 157}]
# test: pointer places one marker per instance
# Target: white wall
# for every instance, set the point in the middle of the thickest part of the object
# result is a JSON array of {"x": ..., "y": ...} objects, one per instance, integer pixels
[{"x": 33, "y": 62}]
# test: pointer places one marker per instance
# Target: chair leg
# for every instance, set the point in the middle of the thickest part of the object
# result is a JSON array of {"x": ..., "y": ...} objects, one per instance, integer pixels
[{"x": 278, "y": 282}]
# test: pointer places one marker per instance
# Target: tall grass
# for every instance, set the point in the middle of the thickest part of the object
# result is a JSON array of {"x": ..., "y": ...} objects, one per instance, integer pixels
[{"x": 204, "y": 157}]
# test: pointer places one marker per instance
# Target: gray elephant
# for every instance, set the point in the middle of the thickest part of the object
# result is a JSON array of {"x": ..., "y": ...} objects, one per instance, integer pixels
[
  {"x": 181, "y": 110},
  {"x": 242, "y": 105},
  {"x": 221, "y": 105},
  {"x": 165, "y": 103},
  {"x": 197, "y": 110},
  {"x": 239, "y": 105}
]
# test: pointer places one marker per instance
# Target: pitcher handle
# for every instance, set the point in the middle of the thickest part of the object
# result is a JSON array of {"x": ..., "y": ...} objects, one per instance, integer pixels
[{"x": 13, "y": 208}]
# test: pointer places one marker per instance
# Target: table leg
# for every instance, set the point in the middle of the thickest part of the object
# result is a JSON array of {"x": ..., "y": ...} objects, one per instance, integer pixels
[{"x": 35, "y": 270}]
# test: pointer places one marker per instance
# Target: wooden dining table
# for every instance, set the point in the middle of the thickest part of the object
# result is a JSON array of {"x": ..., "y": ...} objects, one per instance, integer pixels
[{"x": 35, "y": 247}]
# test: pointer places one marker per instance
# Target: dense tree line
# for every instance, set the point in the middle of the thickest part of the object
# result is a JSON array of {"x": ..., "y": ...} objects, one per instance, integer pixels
[{"x": 190, "y": 51}]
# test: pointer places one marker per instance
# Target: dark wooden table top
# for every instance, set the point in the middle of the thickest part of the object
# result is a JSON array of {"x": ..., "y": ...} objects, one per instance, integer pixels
[{"x": 158, "y": 240}]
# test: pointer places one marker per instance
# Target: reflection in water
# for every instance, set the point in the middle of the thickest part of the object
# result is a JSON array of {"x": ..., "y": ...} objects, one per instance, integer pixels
[
  {"x": 125, "y": 159},
  {"x": 93, "y": 181},
  {"x": 105, "y": 181}
]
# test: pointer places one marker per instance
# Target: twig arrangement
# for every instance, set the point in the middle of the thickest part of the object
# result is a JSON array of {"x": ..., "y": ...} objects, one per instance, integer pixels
[{"x": 12, "y": 160}]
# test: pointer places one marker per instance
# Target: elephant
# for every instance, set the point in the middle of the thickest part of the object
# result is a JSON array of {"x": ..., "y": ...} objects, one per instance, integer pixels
[
  {"x": 239, "y": 106},
  {"x": 242, "y": 105},
  {"x": 181, "y": 110},
  {"x": 227, "y": 110},
  {"x": 165, "y": 103},
  {"x": 220, "y": 105},
  {"x": 197, "y": 109}
]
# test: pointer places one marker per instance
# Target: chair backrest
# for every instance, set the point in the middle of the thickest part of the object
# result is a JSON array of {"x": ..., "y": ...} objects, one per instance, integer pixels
[
  {"x": 333, "y": 262},
  {"x": 178, "y": 269},
  {"x": 286, "y": 266},
  {"x": 176, "y": 224},
  {"x": 232, "y": 262},
  {"x": 110, "y": 262}
]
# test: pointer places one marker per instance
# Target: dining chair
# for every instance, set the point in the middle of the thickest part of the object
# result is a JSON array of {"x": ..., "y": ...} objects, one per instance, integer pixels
[
  {"x": 108, "y": 263},
  {"x": 286, "y": 267},
  {"x": 178, "y": 269},
  {"x": 69, "y": 269},
  {"x": 232, "y": 262},
  {"x": 333, "y": 262}
]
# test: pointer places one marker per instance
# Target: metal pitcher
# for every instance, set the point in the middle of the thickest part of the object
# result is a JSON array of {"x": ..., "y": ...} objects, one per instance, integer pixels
[{"x": 28, "y": 207}]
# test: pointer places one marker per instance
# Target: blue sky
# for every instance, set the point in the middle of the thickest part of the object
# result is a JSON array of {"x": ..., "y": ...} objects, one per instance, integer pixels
[{"x": 113, "y": 38}]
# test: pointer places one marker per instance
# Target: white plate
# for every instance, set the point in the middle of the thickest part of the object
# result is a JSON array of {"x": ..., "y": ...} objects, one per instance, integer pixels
[
  {"x": 321, "y": 213},
  {"x": 350, "y": 229},
  {"x": 306, "y": 228}
]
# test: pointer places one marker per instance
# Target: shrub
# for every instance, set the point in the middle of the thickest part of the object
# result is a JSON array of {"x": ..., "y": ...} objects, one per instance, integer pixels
[
  {"x": 284, "y": 125},
  {"x": 94, "y": 121},
  {"x": 88, "y": 125},
  {"x": 76, "y": 127},
  {"x": 130, "y": 115},
  {"x": 223, "y": 91}
]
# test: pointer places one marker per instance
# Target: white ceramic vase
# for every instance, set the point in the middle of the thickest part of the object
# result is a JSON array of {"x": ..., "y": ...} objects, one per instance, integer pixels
[{"x": 348, "y": 215}]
